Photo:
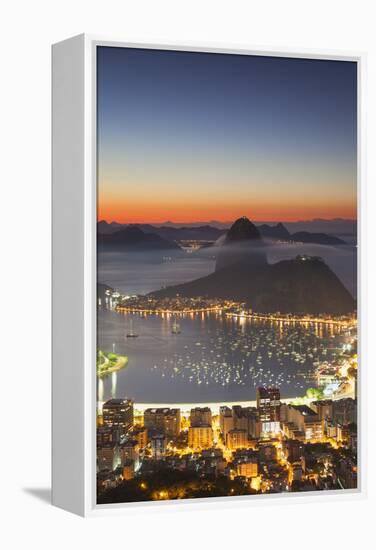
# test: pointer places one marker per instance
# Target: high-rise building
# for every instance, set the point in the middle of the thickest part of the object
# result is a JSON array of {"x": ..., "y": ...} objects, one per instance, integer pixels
[
  {"x": 306, "y": 421},
  {"x": 158, "y": 446},
  {"x": 324, "y": 409},
  {"x": 267, "y": 451},
  {"x": 201, "y": 416},
  {"x": 129, "y": 450},
  {"x": 292, "y": 449},
  {"x": 246, "y": 418},
  {"x": 240, "y": 416},
  {"x": 128, "y": 470},
  {"x": 163, "y": 420},
  {"x": 248, "y": 468},
  {"x": 107, "y": 456},
  {"x": 345, "y": 411},
  {"x": 118, "y": 414},
  {"x": 105, "y": 434},
  {"x": 172, "y": 422},
  {"x": 200, "y": 437},
  {"x": 237, "y": 439},
  {"x": 268, "y": 406},
  {"x": 226, "y": 421},
  {"x": 140, "y": 433}
]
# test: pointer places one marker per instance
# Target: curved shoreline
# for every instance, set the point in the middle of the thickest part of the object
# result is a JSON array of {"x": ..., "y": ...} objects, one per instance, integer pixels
[{"x": 121, "y": 363}]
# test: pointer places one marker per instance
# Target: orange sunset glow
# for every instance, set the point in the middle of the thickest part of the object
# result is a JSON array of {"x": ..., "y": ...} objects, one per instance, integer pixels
[{"x": 191, "y": 212}]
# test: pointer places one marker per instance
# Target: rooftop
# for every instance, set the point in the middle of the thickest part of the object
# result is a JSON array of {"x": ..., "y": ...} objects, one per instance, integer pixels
[{"x": 117, "y": 402}]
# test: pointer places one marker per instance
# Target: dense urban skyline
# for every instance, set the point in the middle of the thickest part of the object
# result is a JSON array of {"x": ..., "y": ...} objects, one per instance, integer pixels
[{"x": 179, "y": 131}]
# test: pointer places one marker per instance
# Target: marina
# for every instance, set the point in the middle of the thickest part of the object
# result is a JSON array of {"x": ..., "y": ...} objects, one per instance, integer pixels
[{"x": 214, "y": 356}]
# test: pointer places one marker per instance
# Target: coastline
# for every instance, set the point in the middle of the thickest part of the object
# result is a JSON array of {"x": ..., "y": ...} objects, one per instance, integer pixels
[
  {"x": 139, "y": 408},
  {"x": 185, "y": 408}
]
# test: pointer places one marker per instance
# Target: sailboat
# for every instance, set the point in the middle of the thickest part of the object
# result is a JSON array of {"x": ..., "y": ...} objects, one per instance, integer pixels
[
  {"x": 131, "y": 334},
  {"x": 175, "y": 328}
]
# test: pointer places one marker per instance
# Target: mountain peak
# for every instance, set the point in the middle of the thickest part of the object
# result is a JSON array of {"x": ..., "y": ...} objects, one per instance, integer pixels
[
  {"x": 243, "y": 243},
  {"x": 241, "y": 230}
]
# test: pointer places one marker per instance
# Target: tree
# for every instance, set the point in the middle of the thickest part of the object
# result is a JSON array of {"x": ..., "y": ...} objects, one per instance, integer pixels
[{"x": 314, "y": 393}]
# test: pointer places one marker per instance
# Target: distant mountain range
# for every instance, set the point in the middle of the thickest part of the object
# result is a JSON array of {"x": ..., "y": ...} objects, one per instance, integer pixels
[
  {"x": 132, "y": 238},
  {"x": 172, "y": 234},
  {"x": 301, "y": 285},
  {"x": 337, "y": 226},
  {"x": 316, "y": 238},
  {"x": 279, "y": 232}
]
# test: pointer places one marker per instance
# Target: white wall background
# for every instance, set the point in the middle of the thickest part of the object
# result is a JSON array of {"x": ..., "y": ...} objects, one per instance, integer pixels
[{"x": 27, "y": 30}]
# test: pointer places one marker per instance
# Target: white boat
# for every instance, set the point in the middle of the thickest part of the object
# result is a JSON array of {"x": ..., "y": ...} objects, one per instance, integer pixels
[
  {"x": 131, "y": 334},
  {"x": 175, "y": 328}
]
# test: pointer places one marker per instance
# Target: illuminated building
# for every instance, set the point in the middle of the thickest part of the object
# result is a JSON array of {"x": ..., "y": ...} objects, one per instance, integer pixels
[
  {"x": 200, "y": 416},
  {"x": 331, "y": 430},
  {"x": 163, "y": 420},
  {"x": 212, "y": 460},
  {"x": 268, "y": 406},
  {"x": 307, "y": 421},
  {"x": 324, "y": 409},
  {"x": 348, "y": 474},
  {"x": 172, "y": 422},
  {"x": 248, "y": 468},
  {"x": 105, "y": 434},
  {"x": 293, "y": 450},
  {"x": 128, "y": 470},
  {"x": 107, "y": 456},
  {"x": 158, "y": 446},
  {"x": 343, "y": 433},
  {"x": 129, "y": 450},
  {"x": 267, "y": 452},
  {"x": 313, "y": 429},
  {"x": 345, "y": 411},
  {"x": 291, "y": 431},
  {"x": 327, "y": 377},
  {"x": 246, "y": 418},
  {"x": 226, "y": 421},
  {"x": 200, "y": 437},
  {"x": 237, "y": 439},
  {"x": 118, "y": 414},
  {"x": 141, "y": 435},
  {"x": 295, "y": 472},
  {"x": 240, "y": 416}
]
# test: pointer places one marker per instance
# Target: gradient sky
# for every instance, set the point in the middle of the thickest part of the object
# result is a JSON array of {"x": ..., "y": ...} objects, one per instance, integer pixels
[{"x": 192, "y": 137}]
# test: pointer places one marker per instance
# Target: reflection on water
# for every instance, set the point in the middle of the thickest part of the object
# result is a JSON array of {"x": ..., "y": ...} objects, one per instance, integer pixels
[
  {"x": 113, "y": 384},
  {"x": 214, "y": 358},
  {"x": 100, "y": 389}
]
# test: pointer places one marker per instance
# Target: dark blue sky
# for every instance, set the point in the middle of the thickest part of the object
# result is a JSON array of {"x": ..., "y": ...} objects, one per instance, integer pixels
[{"x": 220, "y": 133}]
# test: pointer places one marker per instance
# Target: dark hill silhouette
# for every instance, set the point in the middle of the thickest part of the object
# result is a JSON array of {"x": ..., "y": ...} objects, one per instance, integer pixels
[
  {"x": 132, "y": 238},
  {"x": 277, "y": 231},
  {"x": 301, "y": 285},
  {"x": 316, "y": 238},
  {"x": 204, "y": 232},
  {"x": 243, "y": 243},
  {"x": 290, "y": 286},
  {"x": 209, "y": 233},
  {"x": 280, "y": 232}
]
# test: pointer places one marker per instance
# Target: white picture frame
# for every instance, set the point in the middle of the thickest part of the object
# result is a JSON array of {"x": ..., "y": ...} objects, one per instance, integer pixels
[{"x": 74, "y": 276}]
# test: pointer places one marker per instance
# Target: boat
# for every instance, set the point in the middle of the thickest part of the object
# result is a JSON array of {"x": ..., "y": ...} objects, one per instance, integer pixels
[
  {"x": 131, "y": 334},
  {"x": 175, "y": 328}
]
